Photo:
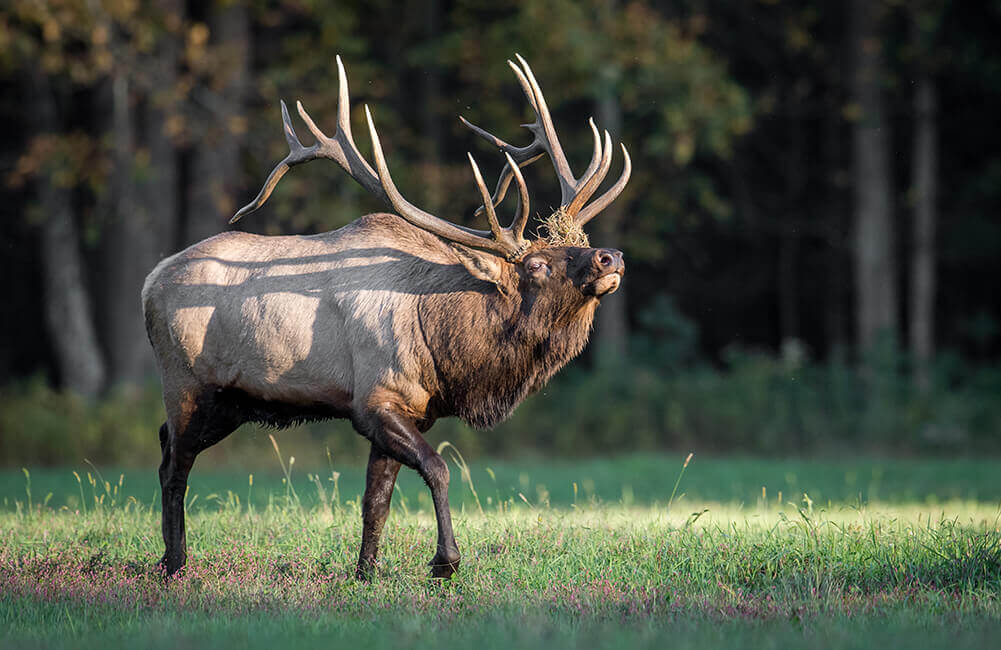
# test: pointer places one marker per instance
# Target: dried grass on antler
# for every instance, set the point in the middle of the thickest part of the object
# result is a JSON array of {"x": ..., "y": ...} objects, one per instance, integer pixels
[{"x": 561, "y": 229}]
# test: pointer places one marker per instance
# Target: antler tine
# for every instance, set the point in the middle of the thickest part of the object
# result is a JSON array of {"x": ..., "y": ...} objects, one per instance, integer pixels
[
  {"x": 521, "y": 219},
  {"x": 521, "y": 154},
  {"x": 517, "y": 227},
  {"x": 502, "y": 241},
  {"x": 341, "y": 149},
  {"x": 297, "y": 154},
  {"x": 505, "y": 181},
  {"x": 594, "y": 180},
  {"x": 487, "y": 203},
  {"x": 343, "y": 101},
  {"x": 613, "y": 192},
  {"x": 545, "y": 131},
  {"x": 523, "y": 82},
  {"x": 596, "y": 154}
]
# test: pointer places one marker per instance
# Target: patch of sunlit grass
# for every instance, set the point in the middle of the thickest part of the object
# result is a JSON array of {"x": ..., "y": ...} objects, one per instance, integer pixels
[{"x": 655, "y": 573}]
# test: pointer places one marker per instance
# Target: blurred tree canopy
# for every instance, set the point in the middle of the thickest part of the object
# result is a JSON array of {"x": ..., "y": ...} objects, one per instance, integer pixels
[{"x": 782, "y": 151}]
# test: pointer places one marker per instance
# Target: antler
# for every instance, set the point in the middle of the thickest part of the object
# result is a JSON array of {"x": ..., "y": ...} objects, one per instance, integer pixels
[
  {"x": 341, "y": 149},
  {"x": 508, "y": 242},
  {"x": 575, "y": 192}
]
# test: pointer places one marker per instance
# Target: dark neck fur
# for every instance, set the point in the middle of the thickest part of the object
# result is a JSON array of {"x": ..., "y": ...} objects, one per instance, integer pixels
[{"x": 493, "y": 349}]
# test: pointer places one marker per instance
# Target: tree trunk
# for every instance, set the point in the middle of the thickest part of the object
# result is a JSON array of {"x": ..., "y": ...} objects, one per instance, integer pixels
[
  {"x": 215, "y": 172},
  {"x": 161, "y": 195},
  {"x": 834, "y": 212},
  {"x": 789, "y": 239},
  {"x": 431, "y": 131},
  {"x": 67, "y": 305},
  {"x": 925, "y": 175},
  {"x": 131, "y": 249},
  {"x": 875, "y": 284},
  {"x": 612, "y": 323}
]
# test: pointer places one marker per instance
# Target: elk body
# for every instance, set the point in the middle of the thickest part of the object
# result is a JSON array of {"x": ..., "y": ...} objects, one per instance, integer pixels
[{"x": 392, "y": 321}]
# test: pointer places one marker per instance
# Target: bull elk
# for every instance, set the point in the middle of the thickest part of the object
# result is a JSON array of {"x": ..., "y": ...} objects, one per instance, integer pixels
[{"x": 392, "y": 321}]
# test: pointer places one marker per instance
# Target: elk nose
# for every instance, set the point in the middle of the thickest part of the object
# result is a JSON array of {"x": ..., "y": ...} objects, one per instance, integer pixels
[{"x": 609, "y": 259}]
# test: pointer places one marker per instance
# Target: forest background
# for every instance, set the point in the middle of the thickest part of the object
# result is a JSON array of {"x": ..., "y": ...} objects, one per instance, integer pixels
[{"x": 812, "y": 228}]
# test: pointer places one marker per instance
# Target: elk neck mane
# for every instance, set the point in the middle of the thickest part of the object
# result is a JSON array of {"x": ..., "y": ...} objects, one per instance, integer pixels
[{"x": 492, "y": 349}]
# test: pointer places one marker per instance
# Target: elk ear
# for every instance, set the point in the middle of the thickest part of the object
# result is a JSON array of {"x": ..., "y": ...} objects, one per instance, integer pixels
[{"x": 482, "y": 266}]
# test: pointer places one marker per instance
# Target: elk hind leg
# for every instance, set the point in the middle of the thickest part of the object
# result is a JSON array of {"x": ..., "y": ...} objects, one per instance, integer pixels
[{"x": 181, "y": 439}]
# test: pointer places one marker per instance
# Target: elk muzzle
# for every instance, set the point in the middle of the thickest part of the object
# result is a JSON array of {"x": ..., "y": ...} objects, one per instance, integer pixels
[{"x": 610, "y": 267}]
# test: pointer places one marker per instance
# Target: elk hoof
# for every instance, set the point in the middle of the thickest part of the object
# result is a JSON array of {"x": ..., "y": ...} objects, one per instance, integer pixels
[{"x": 444, "y": 564}]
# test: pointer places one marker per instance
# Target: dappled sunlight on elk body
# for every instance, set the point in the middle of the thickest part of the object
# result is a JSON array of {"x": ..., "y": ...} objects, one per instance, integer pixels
[{"x": 392, "y": 321}]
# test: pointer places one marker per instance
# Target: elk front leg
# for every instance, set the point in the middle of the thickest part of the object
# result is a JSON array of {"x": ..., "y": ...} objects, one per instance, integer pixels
[
  {"x": 398, "y": 437},
  {"x": 379, "y": 482}
]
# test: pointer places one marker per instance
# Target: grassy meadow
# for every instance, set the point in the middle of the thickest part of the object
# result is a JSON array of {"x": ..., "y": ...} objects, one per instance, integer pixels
[{"x": 855, "y": 553}]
